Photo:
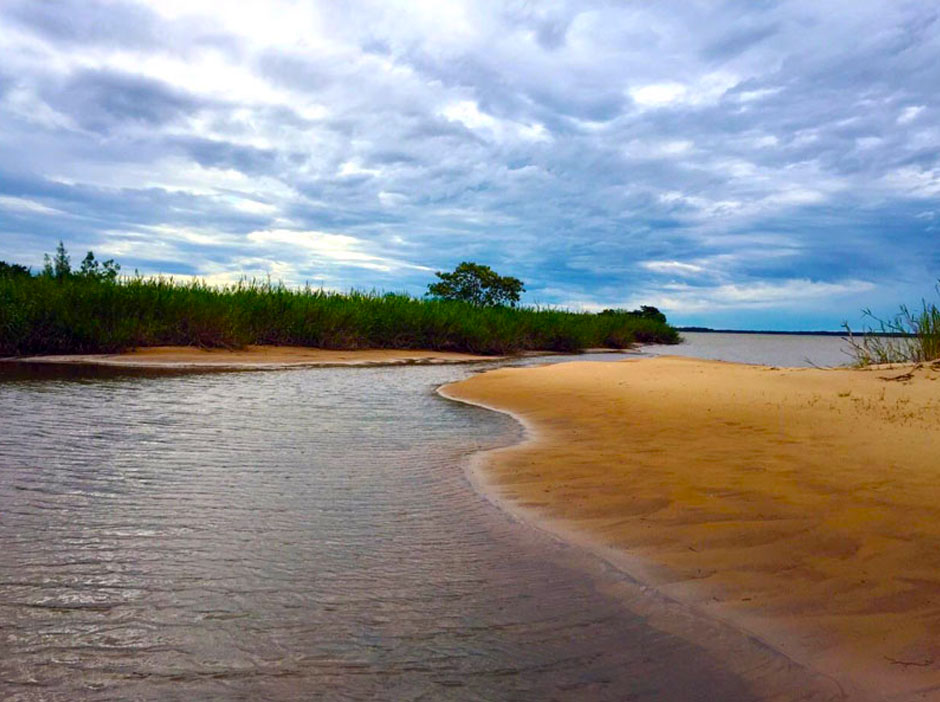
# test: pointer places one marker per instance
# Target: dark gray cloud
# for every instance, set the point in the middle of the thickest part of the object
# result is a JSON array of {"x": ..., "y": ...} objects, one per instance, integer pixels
[
  {"x": 86, "y": 21},
  {"x": 113, "y": 23},
  {"x": 734, "y": 163},
  {"x": 210, "y": 153},
  {"x": 100, "y": 100}
]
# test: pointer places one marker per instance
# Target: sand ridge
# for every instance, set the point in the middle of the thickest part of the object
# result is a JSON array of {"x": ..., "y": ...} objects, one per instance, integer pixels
[
  {"x": 258, "y": 357},
  {"x": 801, "y": 504}
]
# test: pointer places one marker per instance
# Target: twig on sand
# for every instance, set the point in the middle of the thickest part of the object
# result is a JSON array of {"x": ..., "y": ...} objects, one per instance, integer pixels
[
  {"x": 904, "y": 376},
  {"x": 919, "y": 664},
  {"x": 812, "y": 363}
]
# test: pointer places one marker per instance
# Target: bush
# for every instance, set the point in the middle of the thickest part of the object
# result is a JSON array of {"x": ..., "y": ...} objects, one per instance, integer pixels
[{"x": 908, "y": 337}]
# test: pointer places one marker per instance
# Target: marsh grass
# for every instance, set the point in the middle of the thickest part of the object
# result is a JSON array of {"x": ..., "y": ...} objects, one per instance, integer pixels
[
  {"x": 44, "y": 315},
  {"x": 908, "y": 337}
]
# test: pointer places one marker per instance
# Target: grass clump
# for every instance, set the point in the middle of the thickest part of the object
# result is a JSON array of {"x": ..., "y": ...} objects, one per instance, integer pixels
[
  {"x": 102, "y": 313},
  {"x": 910, "y": 336}
]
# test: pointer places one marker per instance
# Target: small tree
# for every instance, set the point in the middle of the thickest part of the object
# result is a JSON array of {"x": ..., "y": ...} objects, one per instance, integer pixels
[
  {"x": 59, "y": 266},
  {"x": 106, "y": 271},
  {"x": 477, "y": 284}
]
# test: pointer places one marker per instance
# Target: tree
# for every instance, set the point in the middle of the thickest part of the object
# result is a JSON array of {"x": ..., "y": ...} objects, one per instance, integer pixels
[
  {"x": 59, "y": 266},
  {"x": 105, "y": 272},
  {"x": 477, "y": 284},
  {"x": 649, "y": 312},
  {"x": 13, "y": 270},
  {"x": 645, "y": 312}
]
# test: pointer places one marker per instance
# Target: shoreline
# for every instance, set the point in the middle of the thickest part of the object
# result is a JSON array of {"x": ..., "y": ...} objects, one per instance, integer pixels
[
  {"x": 710, "y": 557},
  {"x": 269, "y": 357},
  {"x": 258, "y": 357},
  {"x": 772, "y": 673}
]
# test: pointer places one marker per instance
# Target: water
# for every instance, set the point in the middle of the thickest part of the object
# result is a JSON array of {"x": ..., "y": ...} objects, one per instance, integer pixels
[
  {"x": 767, "y": 349},
  {"x": 296, "y": 535}
]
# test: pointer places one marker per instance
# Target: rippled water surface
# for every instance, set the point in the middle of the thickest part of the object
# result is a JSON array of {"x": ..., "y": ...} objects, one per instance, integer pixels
[{"x": 290, "y": 535}]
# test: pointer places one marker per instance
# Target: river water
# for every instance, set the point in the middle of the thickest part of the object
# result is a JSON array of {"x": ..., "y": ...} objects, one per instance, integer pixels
[
  {"x": 295, "y": 535},
  {"x": 797, "y": 350}
]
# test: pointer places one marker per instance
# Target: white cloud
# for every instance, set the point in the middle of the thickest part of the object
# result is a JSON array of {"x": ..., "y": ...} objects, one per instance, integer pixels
[
  {"x": 782, "y": 294},
  {"x": 337, "y": 248},
  {"x": 909, "y": 114},
  {"x": 673, "y": 268},
  {"x": 747, "y": 96},
  {"x": 643, "y": 149},
  {"x": 354, "y": 168},
  {"x": 21, "y": 204},
  {"x": 389, "y": 199},
  {"x": 659, "y": 94},
  {"x": 702, "y": 207},
  {"x": 468, "y": 113},
  {"x": 534, "y": 132},
  {"x": 795, "y": 196},
  {"x": 252, "y": 206},
  {"x": 916, "y": 181},
  {"x": 708, "y": 88}
]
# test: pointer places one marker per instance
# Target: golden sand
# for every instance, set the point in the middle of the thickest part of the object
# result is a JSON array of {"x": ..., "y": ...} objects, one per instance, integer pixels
[
  {"x": 259, "y": 357},
  {"x": 802, "y": 505}
]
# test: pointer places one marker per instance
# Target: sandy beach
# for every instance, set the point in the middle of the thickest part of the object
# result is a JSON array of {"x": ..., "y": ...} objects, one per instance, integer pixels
[
  {"x": 800, "y": 505},
  {"x": 257, "y": 357}
]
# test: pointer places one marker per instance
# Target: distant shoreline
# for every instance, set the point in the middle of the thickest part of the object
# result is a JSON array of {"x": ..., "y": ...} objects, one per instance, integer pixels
[{"x": 709, "y": 330}]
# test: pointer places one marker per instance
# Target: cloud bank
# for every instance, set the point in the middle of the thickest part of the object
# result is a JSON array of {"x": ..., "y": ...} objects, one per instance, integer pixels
[{"x": 772, "y": 164}]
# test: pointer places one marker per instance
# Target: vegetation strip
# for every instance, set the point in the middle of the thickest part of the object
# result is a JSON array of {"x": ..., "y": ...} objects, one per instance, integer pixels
[{"x": 94, "y": 310}]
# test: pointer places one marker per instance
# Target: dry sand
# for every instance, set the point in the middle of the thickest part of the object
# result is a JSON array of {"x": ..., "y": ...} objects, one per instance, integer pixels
[
  {"x": 801, "y": 505},
  {"x": 258, "y": 357}
]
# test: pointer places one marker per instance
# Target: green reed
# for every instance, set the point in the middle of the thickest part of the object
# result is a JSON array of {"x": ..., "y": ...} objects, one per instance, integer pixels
[
  {"x": 910, "y": 336},
  {"x": 45, "y": 315}
]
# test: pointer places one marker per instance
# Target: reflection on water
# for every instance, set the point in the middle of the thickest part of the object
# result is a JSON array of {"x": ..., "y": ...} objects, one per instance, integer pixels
[{"x": 290, "y": 535}]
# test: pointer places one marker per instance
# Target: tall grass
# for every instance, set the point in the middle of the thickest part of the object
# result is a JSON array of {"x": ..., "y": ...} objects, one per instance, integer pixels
[
  {"x": 43, "y": 315},
  {"x": 908, "y": 337}
]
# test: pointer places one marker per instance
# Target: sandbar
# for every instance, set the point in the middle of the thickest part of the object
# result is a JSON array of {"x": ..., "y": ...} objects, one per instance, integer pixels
[
  {"x": 800, "y": 505},
  {"x": 257, "y": 357}
]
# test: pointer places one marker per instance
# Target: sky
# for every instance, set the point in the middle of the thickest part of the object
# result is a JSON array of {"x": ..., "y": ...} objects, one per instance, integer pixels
[{"x": 754, "y": 164}]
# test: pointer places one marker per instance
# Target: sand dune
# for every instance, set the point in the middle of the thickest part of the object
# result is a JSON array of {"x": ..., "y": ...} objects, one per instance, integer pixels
[{"x": 800, "y": 504}]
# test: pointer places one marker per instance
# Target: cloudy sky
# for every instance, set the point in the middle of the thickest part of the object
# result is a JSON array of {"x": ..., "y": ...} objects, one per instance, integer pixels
[{"x": 738, "y": 164}]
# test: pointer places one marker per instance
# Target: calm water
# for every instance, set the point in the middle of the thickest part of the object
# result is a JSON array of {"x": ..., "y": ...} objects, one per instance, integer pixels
[
  {"x": 295, "y": 535},
  {"x": 767, "y": 349}
]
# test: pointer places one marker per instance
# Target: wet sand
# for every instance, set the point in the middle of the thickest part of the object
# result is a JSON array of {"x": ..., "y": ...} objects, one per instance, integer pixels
[
  {"x": 257, "y": 357},
  {"x": 800, "y": 505}
]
